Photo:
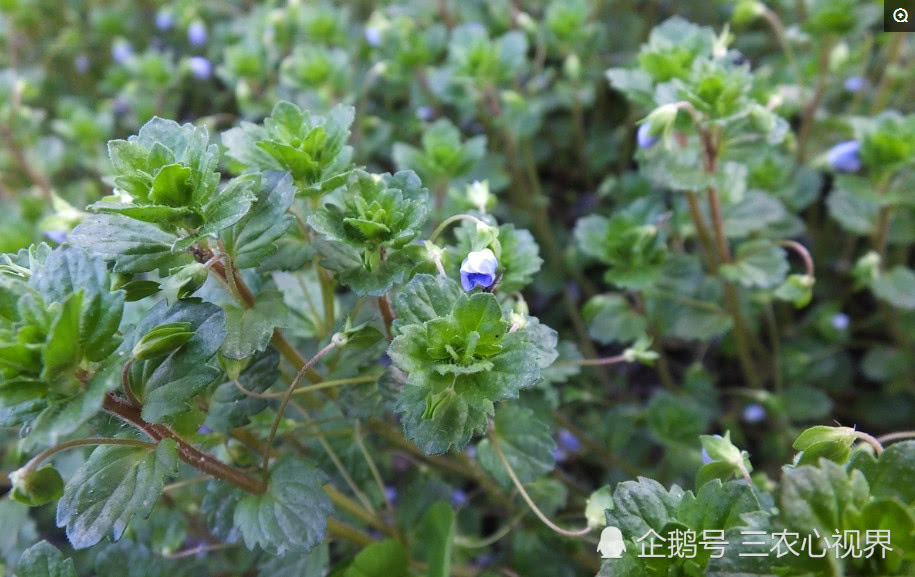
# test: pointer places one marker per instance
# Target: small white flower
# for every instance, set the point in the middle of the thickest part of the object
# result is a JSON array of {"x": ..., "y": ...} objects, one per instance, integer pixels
[{"x": 478, "y": 269}]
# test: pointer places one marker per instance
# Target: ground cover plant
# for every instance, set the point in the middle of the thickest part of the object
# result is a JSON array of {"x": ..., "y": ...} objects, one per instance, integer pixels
[{"x": 508, "y": 288}]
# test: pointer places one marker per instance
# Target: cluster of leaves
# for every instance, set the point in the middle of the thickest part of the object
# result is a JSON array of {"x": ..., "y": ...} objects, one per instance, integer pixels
[{"x": 400, "y": 273}]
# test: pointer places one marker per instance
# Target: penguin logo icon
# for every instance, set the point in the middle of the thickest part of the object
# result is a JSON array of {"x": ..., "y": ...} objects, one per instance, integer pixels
[{"x": 611, "y": 544}]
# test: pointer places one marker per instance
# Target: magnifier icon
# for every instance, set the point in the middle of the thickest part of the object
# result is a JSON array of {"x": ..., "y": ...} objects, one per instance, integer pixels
[{"x": 901, "y": 15}]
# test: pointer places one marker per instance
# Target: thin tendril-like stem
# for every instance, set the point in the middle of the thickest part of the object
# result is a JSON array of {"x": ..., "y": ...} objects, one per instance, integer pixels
[
  {"x": 527, "y": 498},
  {"x": 902, "y": 435},
  {"x": 287, "y": 397},
  {"x": 452, "y": 219},
  {"x": 37, "y": 459},
  {"x": 871, "y": 440}
]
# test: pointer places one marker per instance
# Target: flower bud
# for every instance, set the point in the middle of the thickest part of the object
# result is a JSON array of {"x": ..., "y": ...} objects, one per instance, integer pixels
[
  {"x": 34, "y": 488},
  {"x": 163, "y": 340},
  {"x": 845, "y": 156},
  {"x": 197, "y": 33},
  {"x": 478, "y": 194},
  {"x": 479, "y": 269}
]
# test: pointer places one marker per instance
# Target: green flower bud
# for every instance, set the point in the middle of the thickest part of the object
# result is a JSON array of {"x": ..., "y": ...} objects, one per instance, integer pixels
[
  {"x": 36, "y": 488},
  {"x": 746, "y": 11},
  {"x": 162, "y": 340}
]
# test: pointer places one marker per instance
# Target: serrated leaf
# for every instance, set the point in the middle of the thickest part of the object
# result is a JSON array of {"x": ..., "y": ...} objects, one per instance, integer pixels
[
  {"x": 526, "y": 441},
  {"x": 230, "y": 205},
  {"x": 819, "y": 498},
  {"x": 312, "y": 564},
  {"x": 134, "y": 246},
  {"x": 63, "y": 351},
  {"x": 172, "y": 186},
  {"x": 894, "y": 473},
  {"x": 254, "y": 237},
  {"x": 611, "y": 319},
  {"x": 897, "y": 287},
  {"x": 44, "y": 560},
  {"x": 165, "y": 384},
  {"x": 642, "y": 505},
  {"x": 757, "y": 263},
  {"x": 249, "y": 330},
  {"x": 65, "y": 271},
  {"x": 115, "y": 483},
  {"x": 291, "y": 515},
  {"x": 425, "y": 297},
  {"x": 597, "y": 505},
  {"x": 717, "y": 506}
]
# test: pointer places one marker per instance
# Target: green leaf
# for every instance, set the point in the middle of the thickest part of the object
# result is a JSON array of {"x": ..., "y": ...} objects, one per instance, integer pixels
[
  {"x": 676, "y": 419},
  {"x": 819, "y": 498},
  {"x": 894, "y": 473},
  {"x": 62, "y": 352},
  {"x": 632, "y": 250},
  {"x": 642, "y": 505},
  {"x": 172, "y": 186},
  {"x": 115, "y": 483},
  {"x": 526, "y": 441},
  {"x": 833, "y": 443},
  {"x": 249, "y": 330},
  {"x": 291, "y": 516},
  {"x": 134, "y": 246},
  {"x": 230, "y": 407},
  {"x": 611, "y": 319},
  {"x": 717, "y": 506},
  {"x": 365, "y": 273},
  {"x": 897, "y": 287},
  {"x": 425, "y": 297},
  {"x": 231, "y": 205},
  {"x": 44, "y": 560},
  {"x": 757, "y": 211},
  {"x": 65, "y": 415},
  {"x": 254, "y": 237},
  {"x": 757, "y": 263},
  {"x": 38, "y": 487},
  {"x": 437, "y": 534},
  {"x": 726, "y": 459},
  {"x": 387, "y": 558},
  {"x": 67, "y": 270},
  {"x": 597, "y": 505},
  {"x": 312, "y": 564},
  {"x": 165, "y": 384}
]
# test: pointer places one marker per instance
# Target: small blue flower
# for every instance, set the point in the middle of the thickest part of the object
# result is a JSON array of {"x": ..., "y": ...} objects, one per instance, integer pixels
[
  {"x": 845, "y": 156},
  {"x": 754, "y": 413},
  {"x": 425, "y": 113},
  {"x": 855, "y": 83},
  {"x": 390, "y": 494},
  {"x": 81, "y": 63},
  {"x": 58, "y": 236},
  {"x": 840, "y": 321},
  {"x": 201, "y": 68},
  {"x": 471, "y": 452},
  {"x": 644, "y": 137},
  {"x": 121, "y": 51},
  {"x": 478, "y": 269},
  {"x": 459, "y": 498},
  {"x": 197, "y": 33},
  {"x": 568, "y": 441},
  {"x": 164, "y": 20},
  {"x": 204, "y": 430},
  {"x": 120, "y": 106},
  {"x": 559, "y": 455},
  {"x": 706, "y": 458},
  {"x": 372, "y": 36}
]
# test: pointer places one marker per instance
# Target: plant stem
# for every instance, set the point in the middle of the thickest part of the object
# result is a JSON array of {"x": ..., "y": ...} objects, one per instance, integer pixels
[
  {"x": 705, "y": 238},
  {"x": 384, "y": 305},
  {"x": 889, "y": 438},
  {"x": 327, "y": 296},
  {"x": 871, "y": 440},
  {"x": 776, "y": 24},
  {"x": 811, "y": 108},
  {"x": 347, "y": 533},
  {"x": 527, "y": 498},
  {"x": 288, "y": 396},
  {"x": 357, "y": 437},
  {"x": 883, "y": 90},
  {"x": 40, "y": 457},
  {"x": 802, "y": 251},
  {"x": 451, "y": 220},
  {"x": 188, "y": 453},
  {"x": 592, "y": 362},
  {"x": 881, "y": 233},
  {"x": 306, "y": 388}
]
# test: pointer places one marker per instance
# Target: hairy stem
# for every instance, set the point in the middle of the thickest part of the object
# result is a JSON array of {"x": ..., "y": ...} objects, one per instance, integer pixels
[{"x": 188, "y": 453}]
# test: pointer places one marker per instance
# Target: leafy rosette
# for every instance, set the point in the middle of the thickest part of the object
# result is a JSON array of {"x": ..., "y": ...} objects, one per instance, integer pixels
[
  {"x": 461, "y": 355},
  {"x": 366, "y": 229},
  {"x": 166, "y": 198},
  {"x": 311, "y": 148}
]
